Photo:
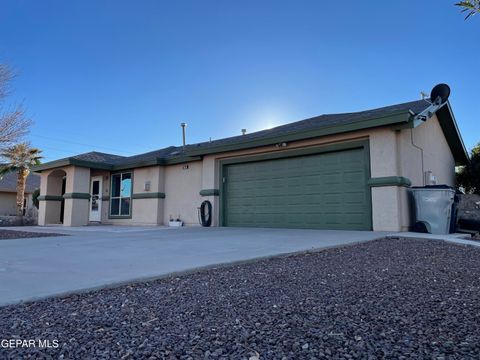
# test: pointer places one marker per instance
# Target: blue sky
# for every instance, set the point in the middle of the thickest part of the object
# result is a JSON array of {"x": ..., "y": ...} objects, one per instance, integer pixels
[{"x": 119, "y": 76}]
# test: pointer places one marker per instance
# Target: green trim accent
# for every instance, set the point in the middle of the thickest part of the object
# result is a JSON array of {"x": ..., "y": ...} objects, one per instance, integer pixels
[
  {"x": 295, "y": 152},
  {"x": 154, "y": 195},
  {"x": 77, "y": 195},
  {"x": 399, "y": 118},
  {"x": 365, "y": 144},
  {"x": 390, "y": 181},
  {"x": 209, "y": 192},
  {"x": 50, "y": 198},
  {"x": 120, "y": 216}
]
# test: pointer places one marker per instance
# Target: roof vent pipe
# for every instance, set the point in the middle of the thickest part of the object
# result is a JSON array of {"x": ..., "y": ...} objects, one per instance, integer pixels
[
  {"x": 183, "y": 125},
  {"x": 244, "y": 131}
]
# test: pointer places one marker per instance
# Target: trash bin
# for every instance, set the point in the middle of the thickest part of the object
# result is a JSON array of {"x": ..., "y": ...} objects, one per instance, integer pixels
[{"x": 433, "y": 208}]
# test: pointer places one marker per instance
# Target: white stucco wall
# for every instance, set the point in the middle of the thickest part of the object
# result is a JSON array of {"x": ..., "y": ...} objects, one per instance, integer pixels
[
  {"x": 182, "y": 192},
  {"x": 428, "y": 143}
]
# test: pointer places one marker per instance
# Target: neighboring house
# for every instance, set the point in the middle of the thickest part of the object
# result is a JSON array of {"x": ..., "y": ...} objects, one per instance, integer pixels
[
  {"x": 340, "y": 171},
  {"x": 8, "y": 193}
]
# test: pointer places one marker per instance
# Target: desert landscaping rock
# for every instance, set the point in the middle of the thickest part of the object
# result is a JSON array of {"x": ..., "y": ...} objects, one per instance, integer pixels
[
  {"x": 385, "y": 299},
  {"x": 14, "y": 234}
]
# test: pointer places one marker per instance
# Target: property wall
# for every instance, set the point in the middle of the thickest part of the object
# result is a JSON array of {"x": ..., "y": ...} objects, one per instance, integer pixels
[{"x": 182, "y": 192}]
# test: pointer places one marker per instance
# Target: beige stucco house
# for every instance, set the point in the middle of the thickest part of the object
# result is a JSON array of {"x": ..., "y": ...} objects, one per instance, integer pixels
[
  {"x": 8, "y": 193},
  {"x": 340, "y": 171}
]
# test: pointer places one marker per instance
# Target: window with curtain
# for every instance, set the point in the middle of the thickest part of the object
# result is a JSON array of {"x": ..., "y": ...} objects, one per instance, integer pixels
[{"x": 121, "y": 194}]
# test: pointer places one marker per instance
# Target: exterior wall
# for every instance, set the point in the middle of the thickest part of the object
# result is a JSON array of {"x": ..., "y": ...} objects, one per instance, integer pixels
[
  {"x": 426, "y": 144},
  {"x": 76, "y": 209},
  {"x": 210, "y": 180},
  {"x": 48, "y": 213},
  {"x": 148, "y": 210},
  {"x": 391, "y": 208},
  {"x": 8, "y": 203},
  {"x": 182, "y": 192},
  {"x": 50, "y": 185}
]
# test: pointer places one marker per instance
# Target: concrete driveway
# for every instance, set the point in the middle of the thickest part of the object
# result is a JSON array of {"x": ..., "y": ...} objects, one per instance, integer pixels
[{"x": 98, "y": 256}]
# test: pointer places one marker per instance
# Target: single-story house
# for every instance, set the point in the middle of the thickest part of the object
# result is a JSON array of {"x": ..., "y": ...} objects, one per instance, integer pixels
[
  {"x": 338, "y": 171},
  {"x": 8, "y": 193}
]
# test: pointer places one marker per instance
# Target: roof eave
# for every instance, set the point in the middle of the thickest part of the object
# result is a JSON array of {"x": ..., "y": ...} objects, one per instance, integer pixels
[
  {"x": 110, "y": 167},
  {"x": 449, "y": 126},
  {"x": 71, "y": 161}
]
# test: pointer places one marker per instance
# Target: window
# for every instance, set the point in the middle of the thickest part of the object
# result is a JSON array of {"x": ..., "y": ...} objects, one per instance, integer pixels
[{"x": 121, "y": 198}]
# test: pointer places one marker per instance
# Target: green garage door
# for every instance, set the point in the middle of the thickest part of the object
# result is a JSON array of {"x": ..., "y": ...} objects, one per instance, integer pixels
[{"x": 321, "y": 191}]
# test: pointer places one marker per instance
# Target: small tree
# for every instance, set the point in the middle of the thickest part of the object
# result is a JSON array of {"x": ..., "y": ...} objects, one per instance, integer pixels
[
  {"x": 13, "y": 122},
  {"x": 468, "y": 177},
  {"x": 470, "y": 7},
  {"x": 20, "y": 158}
]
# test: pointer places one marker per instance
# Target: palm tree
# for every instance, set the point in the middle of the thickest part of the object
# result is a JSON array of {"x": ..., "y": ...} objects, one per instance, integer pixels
[
  {"x": 20, "y": 158},
  {"x": 470, "y": 7}
]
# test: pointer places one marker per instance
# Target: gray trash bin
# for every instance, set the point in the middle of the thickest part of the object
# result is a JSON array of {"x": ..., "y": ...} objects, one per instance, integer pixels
[{"x": 433, "y": 208}]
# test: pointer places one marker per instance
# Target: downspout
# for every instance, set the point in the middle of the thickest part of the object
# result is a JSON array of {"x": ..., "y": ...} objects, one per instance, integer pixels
[{"x": 421, "y": 152}]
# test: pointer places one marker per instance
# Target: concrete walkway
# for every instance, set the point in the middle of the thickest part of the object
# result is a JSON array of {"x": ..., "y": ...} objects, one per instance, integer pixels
[{"x": 98, "y": 256}]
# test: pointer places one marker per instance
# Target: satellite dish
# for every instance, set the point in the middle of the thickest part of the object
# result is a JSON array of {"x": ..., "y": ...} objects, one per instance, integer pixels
[
  {"x": 438, "y": 97},
  {"x": 440, "y": 94}
]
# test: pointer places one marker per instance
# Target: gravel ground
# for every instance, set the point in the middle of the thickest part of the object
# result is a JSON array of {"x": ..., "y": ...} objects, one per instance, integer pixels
[
  {"x": 14, "y": 234},
  {"x": 386, "y": 299}
]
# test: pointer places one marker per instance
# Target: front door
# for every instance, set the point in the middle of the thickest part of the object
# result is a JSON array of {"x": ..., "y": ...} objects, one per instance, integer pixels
[{"x": 95, "y": 200}]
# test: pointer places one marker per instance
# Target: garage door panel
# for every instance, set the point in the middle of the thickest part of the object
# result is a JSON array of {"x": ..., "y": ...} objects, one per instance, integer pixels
[{"x": 324, "y": 191}]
